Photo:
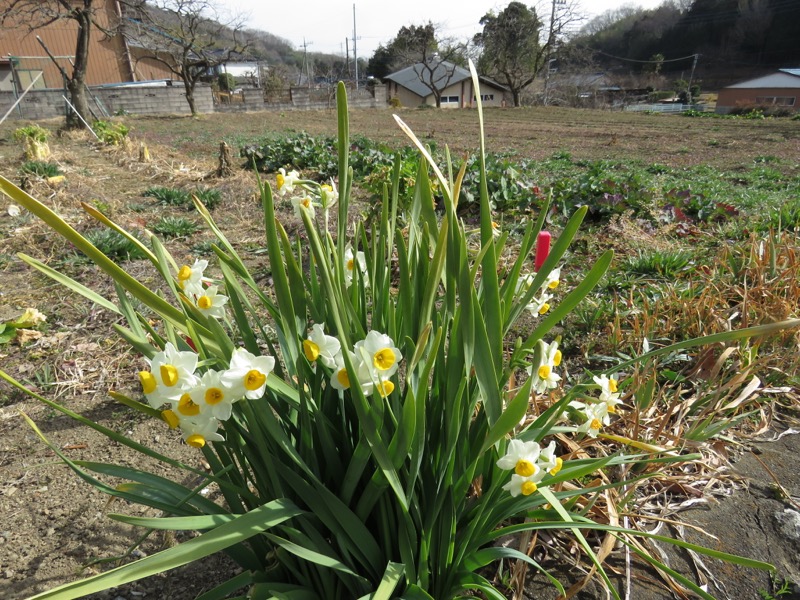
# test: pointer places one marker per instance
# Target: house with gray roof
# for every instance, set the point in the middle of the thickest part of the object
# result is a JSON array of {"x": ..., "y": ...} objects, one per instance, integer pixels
[
  {"x": 779, "y": 89},
  {"x": 412, "y": 87}
]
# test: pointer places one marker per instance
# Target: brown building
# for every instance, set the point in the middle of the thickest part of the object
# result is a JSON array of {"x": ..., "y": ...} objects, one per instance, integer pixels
[
  {"x": 410, "y": 87},
  {"x": 111, "y": 60},
  {"x": 779, "y": 89}
]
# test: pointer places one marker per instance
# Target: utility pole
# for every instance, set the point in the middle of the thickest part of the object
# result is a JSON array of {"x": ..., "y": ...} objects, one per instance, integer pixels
[
  {"x": 355, "y": 51},
  {"x": 347, "y": 56},
  {"x": 306, "y": 63},
  {"x": 691, "y": 77}
]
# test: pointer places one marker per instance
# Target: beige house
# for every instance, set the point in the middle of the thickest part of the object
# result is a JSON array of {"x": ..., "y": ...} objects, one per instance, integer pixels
[
  {"x": 412, "y": 87},
  {"x": 780, "y": 89}
]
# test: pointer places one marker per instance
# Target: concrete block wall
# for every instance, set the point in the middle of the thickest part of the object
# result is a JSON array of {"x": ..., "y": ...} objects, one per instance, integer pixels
[
  {"x": 48, "y": 104},
  {"x": 305, "y": 99},
  {"x": 154, "y": 100}
]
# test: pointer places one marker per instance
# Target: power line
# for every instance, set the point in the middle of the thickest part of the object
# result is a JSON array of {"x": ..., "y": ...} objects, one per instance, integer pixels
[{"x": 645, "y": 61}]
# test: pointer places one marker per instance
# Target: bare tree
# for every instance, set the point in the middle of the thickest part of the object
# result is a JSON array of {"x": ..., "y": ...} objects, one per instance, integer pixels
[
  {"x": 434, "y": 59},
  {"x": 189, "y": 37},
  {"x": 36, "y": 14}
]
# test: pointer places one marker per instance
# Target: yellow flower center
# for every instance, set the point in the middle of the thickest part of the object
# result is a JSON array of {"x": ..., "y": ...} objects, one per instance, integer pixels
[
  {"x": 544, "y": 371},
  {"x": 553, "y": 284},
  {"x": 557, "y": 358},
  {"x": 185, "y": 273},
  {"x": 171, "y": 418},
  {"x": 306, "y": 202},
  {"x": 326, "y": 188},
  {"x": 385, "y": 388},
  {"x": 527, "y": 488},
  {"x": 311, "y": 350},
  {"x": 524, "y": 468},
  {"x": 214, "y": 396},
  {"x": 148, "y": 381},
  {"x": 188, "y": 408},
  {"x": 281, "y": 180},
  {"x": 196, "y": 440},
  {"x": 544, "y": 308},
  {"x": 343, "y": 378},
  {"x": 612, "y": 409},
  {"x": 383, "y": 359},
  {"x": 595, "y": 424},
  {"x": 557, "y": 468},
  {"x": 169, "y": 375},
  {"x": 254, "y": 380},
  {"x": 351, "y": 264},
  {"x": 612, "y": 385},
  {"x": 204, "y": 302}
]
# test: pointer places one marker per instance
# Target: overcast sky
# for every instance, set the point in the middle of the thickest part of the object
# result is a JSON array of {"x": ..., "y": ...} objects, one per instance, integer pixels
[{"x": 324, "y": 24}]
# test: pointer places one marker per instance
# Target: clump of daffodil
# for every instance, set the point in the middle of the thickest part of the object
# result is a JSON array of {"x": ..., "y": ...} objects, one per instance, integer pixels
[{"x": 199, "y": 403}]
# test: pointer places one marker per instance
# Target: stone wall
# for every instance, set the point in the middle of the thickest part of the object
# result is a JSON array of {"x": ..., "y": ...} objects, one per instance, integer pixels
[{"x": 47, "y": 104}]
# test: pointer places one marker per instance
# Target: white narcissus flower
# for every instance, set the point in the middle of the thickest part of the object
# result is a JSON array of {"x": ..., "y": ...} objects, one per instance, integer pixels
[
  {"x": 211, "y": 303},
  {"x": 191, "y": 279},
  {"x": 301, "y": 204},
  {"x": 596, "y": 416},
  {"x": 214, "y": 397},
  {"x": 286, "y": 181},
  {"x": 171, "y": 374},
  {"x": 352, "y": 260},
  {"x": 522, "y": 457},
  {"x": 545, "y": 377},
  {"x": 199, "y": 430},
  {"x": 524, "y": 283},
  {"x": 319, "y": 346},
  {"x": 520, "y": 485},
  {"x": 378, "y": 351},
  {"x": 553, "y": 279},
  {"x": 548, "y": 461},
  {"x": 340, "y": 378},
  {"x": 328, "y": 194},
  {"x": 608, "y": 392},
  {"x": 539, "y": 306},
  {"x": 247, "y": 374}
]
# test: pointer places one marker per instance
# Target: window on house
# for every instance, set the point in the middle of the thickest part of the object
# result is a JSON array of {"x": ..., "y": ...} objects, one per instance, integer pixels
[
  {"x": 776, "y": 100},
  {"x": 485, "y": 97},
  {"x": 450, "y": 99},
  {"x": 26, "y": 77}
]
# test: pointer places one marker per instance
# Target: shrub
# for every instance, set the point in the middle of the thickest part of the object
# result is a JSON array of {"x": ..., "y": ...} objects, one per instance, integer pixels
[{"x": 226, "y": 82}]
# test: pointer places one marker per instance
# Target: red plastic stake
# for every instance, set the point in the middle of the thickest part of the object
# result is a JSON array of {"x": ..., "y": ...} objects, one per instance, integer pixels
[{"x": 542, "y": 249}]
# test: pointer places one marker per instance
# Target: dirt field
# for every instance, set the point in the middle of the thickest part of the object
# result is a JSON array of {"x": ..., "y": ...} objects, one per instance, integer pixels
[{"x": 52, "y": 523}]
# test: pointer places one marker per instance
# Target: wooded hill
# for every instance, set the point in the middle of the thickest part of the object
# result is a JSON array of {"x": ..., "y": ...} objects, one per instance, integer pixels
[{"x": 733, "y": 37}]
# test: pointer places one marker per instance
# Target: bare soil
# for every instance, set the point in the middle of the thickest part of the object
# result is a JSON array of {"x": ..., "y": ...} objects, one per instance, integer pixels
[{"x": 53, "y": 524}]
